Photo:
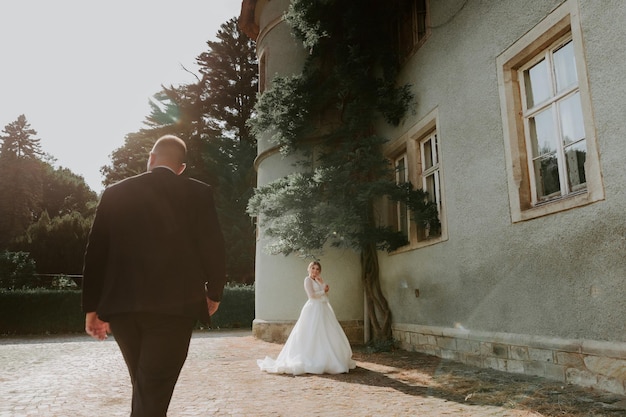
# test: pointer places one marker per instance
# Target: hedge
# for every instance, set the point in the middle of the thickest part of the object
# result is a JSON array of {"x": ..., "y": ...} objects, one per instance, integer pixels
[{"x": 31, "y": 312}]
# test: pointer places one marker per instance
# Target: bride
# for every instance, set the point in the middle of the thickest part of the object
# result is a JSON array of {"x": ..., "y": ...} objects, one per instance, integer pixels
[{"x": 317, "y": 343}]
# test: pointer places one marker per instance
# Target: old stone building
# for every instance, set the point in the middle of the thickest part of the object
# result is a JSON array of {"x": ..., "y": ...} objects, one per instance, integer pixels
[{"x": 518, "y": 133}]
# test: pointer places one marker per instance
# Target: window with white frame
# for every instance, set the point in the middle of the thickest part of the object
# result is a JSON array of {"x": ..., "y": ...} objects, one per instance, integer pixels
[
  {"x": 429, "y": 163},
  {"x": 416, "y": 157},
  {"x": 551, "y": 149},
  {"x": 553, "y": 123},
  {"x": 401, "y": 211}
]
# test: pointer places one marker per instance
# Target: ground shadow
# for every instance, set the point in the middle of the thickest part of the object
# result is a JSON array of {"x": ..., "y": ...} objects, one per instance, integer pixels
[{"x": 418, "y": 374}]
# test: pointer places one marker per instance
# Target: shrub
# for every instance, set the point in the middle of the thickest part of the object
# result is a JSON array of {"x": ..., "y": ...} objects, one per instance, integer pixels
[
  {"x": 17, "y": 270},
  {"x": 46, "y": 311},
  {"x": 236, "y": 309},
  {"x": 40, "y": 312}
]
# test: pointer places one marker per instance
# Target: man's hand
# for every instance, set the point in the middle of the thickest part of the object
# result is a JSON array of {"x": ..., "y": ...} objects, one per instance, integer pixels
[
  {"x": 95, "y": 327},
  {"x": 213, "y": 306}
]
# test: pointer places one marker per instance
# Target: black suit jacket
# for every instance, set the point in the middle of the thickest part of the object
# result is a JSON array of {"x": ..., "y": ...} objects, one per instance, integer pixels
[{"x": 155, "y": 241}]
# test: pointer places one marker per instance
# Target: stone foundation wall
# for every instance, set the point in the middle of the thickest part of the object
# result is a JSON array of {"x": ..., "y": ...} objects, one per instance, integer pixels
[
  {"x": 588, "y": 363},
  {"x": 278, "y": 331}
]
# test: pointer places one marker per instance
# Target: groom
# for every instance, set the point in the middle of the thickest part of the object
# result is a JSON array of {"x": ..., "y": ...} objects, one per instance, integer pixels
[{"x": 154, "y": 265}]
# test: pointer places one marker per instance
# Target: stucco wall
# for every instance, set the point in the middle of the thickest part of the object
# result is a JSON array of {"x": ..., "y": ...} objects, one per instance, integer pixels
[
  {"x": 283, "y": 56},
  {"x": 561, "y": 275}
]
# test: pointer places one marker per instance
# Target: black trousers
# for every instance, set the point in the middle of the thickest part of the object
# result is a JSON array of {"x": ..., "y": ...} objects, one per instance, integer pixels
[{"x": 154, "y": 347}]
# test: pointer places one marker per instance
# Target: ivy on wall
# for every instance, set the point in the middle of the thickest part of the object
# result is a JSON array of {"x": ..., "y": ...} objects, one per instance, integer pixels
[{"x": 328, "y": 113}]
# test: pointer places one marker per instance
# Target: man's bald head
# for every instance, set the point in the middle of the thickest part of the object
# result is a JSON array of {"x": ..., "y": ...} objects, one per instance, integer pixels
[{"x": 169, "y": 151}]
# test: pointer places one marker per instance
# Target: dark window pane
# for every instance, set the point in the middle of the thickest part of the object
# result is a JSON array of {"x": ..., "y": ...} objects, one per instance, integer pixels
[
  {"x": 547, "y": 177},
  {"x": 575, "y": 157}
]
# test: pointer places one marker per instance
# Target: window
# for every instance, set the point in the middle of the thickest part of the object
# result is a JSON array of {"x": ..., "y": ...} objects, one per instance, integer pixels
[
  {"x": 262, "y": 70},
  {"x": 417, "y": 158},
  {"x": 413, "y": 25},
  {"x": 401, "y": 211},
  {"x": 553, "y": 124},
  {"x": 429, "y": 155},
  {"x": 552, "y": 158}
]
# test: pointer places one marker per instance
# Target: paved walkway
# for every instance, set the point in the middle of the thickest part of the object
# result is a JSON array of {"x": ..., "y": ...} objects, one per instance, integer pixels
[{"x": 76, "y": 376}]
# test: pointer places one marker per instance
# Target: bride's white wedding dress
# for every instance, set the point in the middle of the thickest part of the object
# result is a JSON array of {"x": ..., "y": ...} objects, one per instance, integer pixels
[{"x": 317, "y": 343}]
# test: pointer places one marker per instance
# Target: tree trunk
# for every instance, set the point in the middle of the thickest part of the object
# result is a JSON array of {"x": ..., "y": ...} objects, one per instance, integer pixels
[{"x": 377, "y": 306}]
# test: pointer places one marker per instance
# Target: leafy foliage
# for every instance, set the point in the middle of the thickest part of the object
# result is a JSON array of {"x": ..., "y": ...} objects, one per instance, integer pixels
[
  {"x": 45, "y": 212},
  {"x": 329, "y": 113},
  {"x": 20, "y": 179},
  {"x": 229, "y": 82},
  {"x": 347, "y": 84},
  {"x": 283, "y": 110},
  {"x": 236, "y": 309},
  {"x": 228, "y": 93},
  {"x": 57, "y": 310},
  {"x": 65, "y": 192},
  {"x": 129, "y": 159},
  {"x": 17, "y": 270},
  {"x": 57, "y": 244},
  {"x": 210, "y": 116},
  {"x": 424, "y": 213},
  {"x": 19, "y": 141}
]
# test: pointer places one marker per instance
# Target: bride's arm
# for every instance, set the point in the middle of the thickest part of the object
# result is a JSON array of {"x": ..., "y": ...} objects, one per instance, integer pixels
[
  {"x": 324, "y": 285},
  {"x": 309, "y": 287}
]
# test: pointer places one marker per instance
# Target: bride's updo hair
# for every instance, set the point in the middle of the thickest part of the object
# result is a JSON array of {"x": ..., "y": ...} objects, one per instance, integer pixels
[{"x": 319, "y": 265}]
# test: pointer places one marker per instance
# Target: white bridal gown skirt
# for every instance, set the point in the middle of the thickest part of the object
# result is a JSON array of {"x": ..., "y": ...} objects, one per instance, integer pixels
[{"x": 316, "y": 345}]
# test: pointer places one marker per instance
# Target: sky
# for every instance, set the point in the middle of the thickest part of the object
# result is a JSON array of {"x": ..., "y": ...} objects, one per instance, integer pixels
[{"x": 83, "y": 71}]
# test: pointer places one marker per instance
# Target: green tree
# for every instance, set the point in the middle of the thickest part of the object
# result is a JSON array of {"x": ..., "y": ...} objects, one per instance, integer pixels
[
  {"x": 43, "y": 210},
  {"x": 129, "y": 159},
  {"x": 19, "y": 141},
  {"x": 57, "y": 244},
  {"x": 65, "y": 192},
  {"x": 195, "y": 128},
  {"x": 229, "y": 85},
  {"x": 17, "y": 270},
  {"x": 210, "y": 116},
  {"x": 175, "y": 111},
  {"x": 230, "y": 82},
  {"x": 20, "y": 179},
  {"x": 328, "y": 113}
]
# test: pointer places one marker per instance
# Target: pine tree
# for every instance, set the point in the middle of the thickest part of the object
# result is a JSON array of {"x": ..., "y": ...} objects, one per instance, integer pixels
[
  {"x": 229, "y": 80},
  {"x": 20, "y": 179},
  {"x": 229, "y": 85},
  {"x": 18, "y": 140},
  {"x": 210, "y": 116}
]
